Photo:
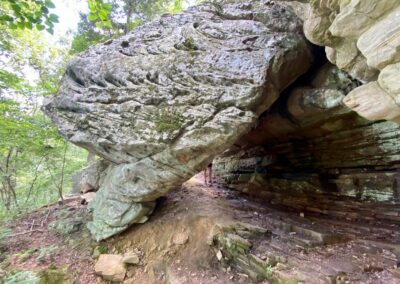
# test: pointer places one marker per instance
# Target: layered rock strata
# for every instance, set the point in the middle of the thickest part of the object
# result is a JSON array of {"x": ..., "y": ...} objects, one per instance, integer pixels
[
  {"x": 312, "y": 153},
  {"x": 362, "y": 38},
  {"x": 161, "y": 102}
]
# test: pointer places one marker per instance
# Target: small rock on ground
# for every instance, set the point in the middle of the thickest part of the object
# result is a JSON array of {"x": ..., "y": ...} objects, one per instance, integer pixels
[{"x": 110, "y": 267}]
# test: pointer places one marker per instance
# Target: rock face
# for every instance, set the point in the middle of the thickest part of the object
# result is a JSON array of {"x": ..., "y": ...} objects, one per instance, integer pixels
[
  {"x": 89, "y": 178},
  {"x": 66, "y": 226},
  {"x": 311, "y": 152},
  {"x": 161, "y": 102},
  {"x": 362, "y": 38}
]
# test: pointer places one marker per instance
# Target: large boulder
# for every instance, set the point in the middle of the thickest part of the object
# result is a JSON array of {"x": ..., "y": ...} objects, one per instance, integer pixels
[
  {"x": 162, "y": 101},
  {"x": 362, "y": 38}
]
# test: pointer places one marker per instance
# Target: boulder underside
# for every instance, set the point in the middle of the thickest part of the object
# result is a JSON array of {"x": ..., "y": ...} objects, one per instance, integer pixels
[
  {"x": 310, "y": 152},
  {"x": 329, "y": 145},
  {"x": 159, "y": 103}
]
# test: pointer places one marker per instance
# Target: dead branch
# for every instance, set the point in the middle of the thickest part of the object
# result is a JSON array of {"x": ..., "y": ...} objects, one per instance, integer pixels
[{"x": 27, "y": 232}]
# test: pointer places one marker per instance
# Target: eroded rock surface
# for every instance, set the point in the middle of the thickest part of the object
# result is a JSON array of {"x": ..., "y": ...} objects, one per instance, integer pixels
[
  {"x": 161, "y": 102},
  {"x": 362, "y": 38},
  {"x": 313, "y": 153}
]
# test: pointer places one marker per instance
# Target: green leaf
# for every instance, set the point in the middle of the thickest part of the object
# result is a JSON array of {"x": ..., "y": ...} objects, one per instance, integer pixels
[
  {"x": 107, "y": 7},
  {"x": 103, "y": 15},
  {"x": 6, "y": 18},
  {"x": 45, "y": 10},
  {"x": 40, "y": 27},
  {"x": 92, "y": 17},
  {"x": 16, "y": 8},
  {"x": 49, "y": 4},
  {"x": 28, "y": 25},
  {"x": 53, "y": 18},
  {"x": 24, "y": 3},
  {"x": 108, "y": 24},
  {"x": 21, "y": 25},
  {"x": 99, "y": 25},
  {"x": 36, "y": 20}
]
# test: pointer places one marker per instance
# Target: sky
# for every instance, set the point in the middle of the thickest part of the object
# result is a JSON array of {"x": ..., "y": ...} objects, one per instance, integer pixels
[
  {"x": 68, "y": 17},
  {"x": 68, "y": 14}
]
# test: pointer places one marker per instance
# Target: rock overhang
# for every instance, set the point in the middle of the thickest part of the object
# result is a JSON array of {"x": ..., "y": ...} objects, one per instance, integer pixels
[{"x": 162, "y": 101}]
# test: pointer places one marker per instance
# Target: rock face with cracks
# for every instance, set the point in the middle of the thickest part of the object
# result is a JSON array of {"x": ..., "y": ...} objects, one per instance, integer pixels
[
  {"x": 311, "y": 153},
  {"x": 161, "y": 102},
  {"x": 363, "y": 38}
]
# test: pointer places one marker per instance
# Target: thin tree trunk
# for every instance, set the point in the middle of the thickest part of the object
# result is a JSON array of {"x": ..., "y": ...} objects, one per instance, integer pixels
[
  {"x": 61, "y": 187},
  {"x": 9, "y": 187},
  {"x": 34, "y": 179},
  {"x": 15, "y": 171},
  {"x": 128, "y": 19}
]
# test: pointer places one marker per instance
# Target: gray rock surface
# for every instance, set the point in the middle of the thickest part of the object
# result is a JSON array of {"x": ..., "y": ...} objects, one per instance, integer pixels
[
  {"x": 161, "y": 102},
  {"x": 66, "y": 226},
  {"x": 89, "y": 178}
]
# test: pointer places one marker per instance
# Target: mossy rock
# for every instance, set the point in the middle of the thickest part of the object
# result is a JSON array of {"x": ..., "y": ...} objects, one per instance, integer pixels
[
  {"x": 22, "y": 277},
  {"x": 53, "y": 275},
  {"x": 66, "y": 226}
]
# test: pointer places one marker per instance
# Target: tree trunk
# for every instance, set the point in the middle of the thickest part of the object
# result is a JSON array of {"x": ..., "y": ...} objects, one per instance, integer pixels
[{"x": 61, "y": 187}]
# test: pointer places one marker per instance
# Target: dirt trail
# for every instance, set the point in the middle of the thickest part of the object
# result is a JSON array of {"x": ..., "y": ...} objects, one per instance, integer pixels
[{"x": 202, "y": 234}]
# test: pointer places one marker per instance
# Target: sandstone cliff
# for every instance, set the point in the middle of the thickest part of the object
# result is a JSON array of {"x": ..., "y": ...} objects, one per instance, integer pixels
[
  {"x": 313, "y": 153},
  {"x": 362, "y": 38}
]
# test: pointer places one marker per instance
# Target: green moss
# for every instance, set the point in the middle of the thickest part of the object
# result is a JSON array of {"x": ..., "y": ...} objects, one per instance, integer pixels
[
  {"x": 26, "y": 254},
  {"x": 53, "y": 275},
  {"x": 103, "y": 249},
  {"x": 269, "y": 271},
  {"x": 168, "y": 122},
  {"x": 46, "y": 252},
  {"x": 189, "y": 44}
]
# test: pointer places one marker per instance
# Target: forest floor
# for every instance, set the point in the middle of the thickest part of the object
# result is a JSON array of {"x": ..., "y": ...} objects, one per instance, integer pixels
[{"x": 205, "y": 234}]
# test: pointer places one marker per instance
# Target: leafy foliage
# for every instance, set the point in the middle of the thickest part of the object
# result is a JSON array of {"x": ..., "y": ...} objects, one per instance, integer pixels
[
  {"x": 100, "y": 13},
  {"x": 29, "y": 14},
  {"x": 88, "y": 34},
  {"x": 10, "y": 80},
  {"x": 35, "y": 161},
  {"x": 109, "y": 20}
]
